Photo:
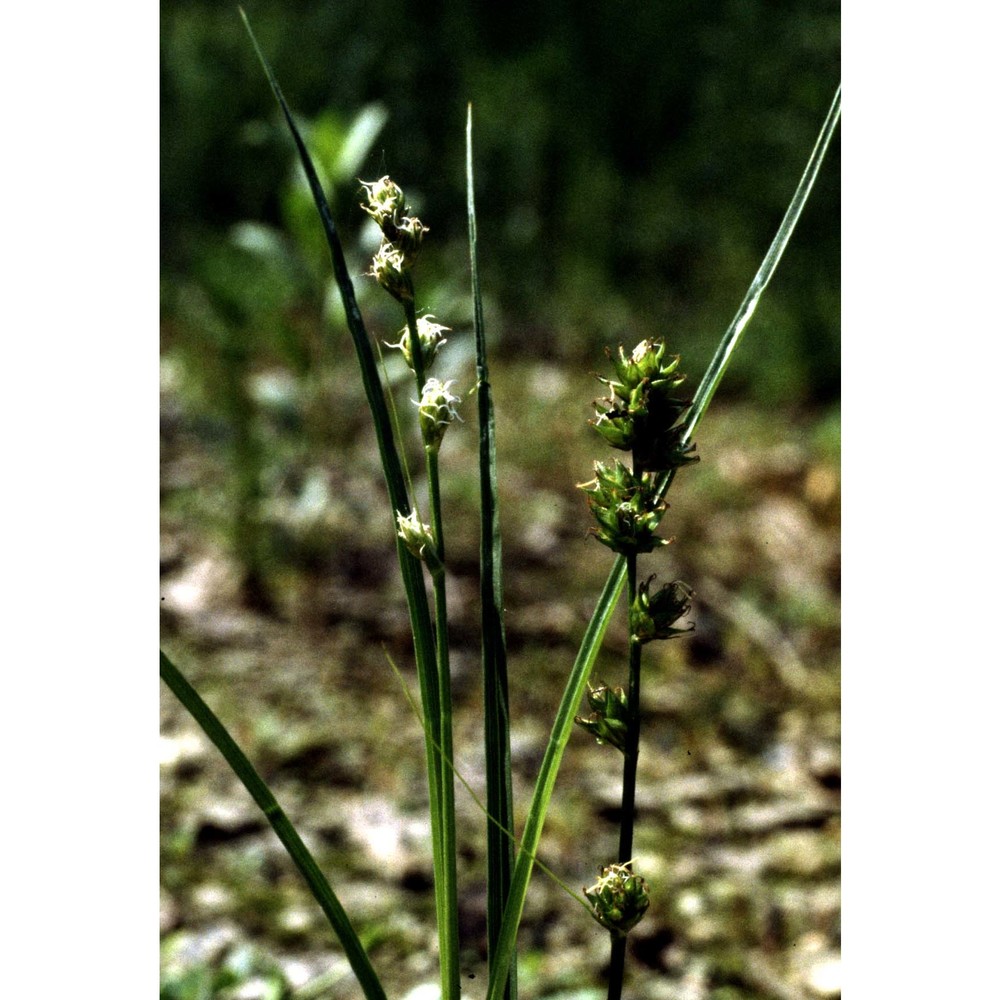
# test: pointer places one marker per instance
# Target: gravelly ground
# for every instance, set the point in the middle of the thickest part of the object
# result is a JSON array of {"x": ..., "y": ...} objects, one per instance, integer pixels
[{"x": 739, "y": 774}]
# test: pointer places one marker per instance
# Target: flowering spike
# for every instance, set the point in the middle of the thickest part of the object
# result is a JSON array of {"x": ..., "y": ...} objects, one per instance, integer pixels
[
  {"x": 431, "y": 340},
  {"x": 641, "y": 414},
  {"x": 609, "y": 718},
  {"x": 408, "y": 236},
  {"x": 386, "y": 203},
  {"x": 616, "y": 426},
  {"x": 653, "y": 617},
  {"x": 625, "y": 508},
  {"x": 419, "y": 539},
  {"x": 437, "y": 411},
  {"x": 619, "y": 898},
  {"x": 402, "y": 236},
  {"x": 415, "y": 534},
  {"x": 391, "y": 270}
]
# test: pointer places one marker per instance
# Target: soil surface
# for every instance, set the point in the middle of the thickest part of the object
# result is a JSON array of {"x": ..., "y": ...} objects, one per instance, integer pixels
[{"x": 738, "y": 793}]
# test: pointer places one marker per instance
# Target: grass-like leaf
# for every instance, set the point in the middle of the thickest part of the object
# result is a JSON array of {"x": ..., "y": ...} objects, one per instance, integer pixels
[
  {"x": 724, "y": 352},
  {"x": 262, "y": 795},
  {"x": 412, "y": 571},
  {"x": 499, "y": 798},
  {"x": 594, "y": 635}
]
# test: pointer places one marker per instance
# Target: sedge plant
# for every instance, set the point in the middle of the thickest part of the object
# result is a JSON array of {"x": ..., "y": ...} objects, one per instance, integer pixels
[{"x": 646, "y": 415}]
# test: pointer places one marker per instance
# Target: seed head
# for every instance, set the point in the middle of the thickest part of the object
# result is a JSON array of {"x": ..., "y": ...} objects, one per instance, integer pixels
[
  {"x": 409, "y": 235},
  {"x": 431, "y": 340},
  {"x": 616, "y": 426},
  {"x": 619, "y": 898},
  {"x": 641, "y": 414},
  {"x": 391, "y": 270},
  {"x": 650, "y": 362},
  {"x": 437, "y": 411},
  {"x": 386, "y": 203},
  {"x": 625, "y": 508},
  {"x": 416, "y": 535},
  {"x": 609, "y": 718},
  {"x": 652, "y": 616}
]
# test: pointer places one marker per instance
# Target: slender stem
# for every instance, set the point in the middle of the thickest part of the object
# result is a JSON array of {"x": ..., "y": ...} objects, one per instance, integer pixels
[
  {"x": 394, "y": 419},
  {"x": 616, "y": 977},
  {"x": 446, "y": 892},
  {"x": 434, "y": 498},
  {"x": 448, "y": 930},
  {"x": 545, "y": 783},
  {"x": 632, "y": 739},
  {"x": 282, "y": 826},
  {"x": 617, "y": 973},
  {"x": 496, "y": 705},
  {"x": 416, "y": 348},
  {"x": 491, "y": 820}
]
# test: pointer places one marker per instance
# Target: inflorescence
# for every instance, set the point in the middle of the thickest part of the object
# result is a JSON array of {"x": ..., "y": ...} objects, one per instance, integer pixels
[{"x": 643, "y": 415}]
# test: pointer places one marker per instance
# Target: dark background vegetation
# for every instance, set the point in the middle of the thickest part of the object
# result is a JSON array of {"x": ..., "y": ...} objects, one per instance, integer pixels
[
  {"x": 633, "y": 162},
  {"x": 633, "y": 159}
]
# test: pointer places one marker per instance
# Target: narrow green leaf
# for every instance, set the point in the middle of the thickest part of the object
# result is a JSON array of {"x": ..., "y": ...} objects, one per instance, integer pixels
[
  {"x": 630, "y": 762},
  {"x": 366, "y": 357},
  {"x": 724, "y": 352},
  {"x": 410, "y": 567},
  {"x": 499, "y": 795},
  {"x": 262, "y": 795},
  {"x": 613, "y": 587}
]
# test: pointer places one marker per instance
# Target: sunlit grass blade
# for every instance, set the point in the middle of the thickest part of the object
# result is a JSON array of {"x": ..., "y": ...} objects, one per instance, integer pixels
[
  {"x": 594, "y": 635},
  {"x": 724, "y": 352},
  {"x": 499, "y": 798},
  {"x": 262, "y": 795},
  {"x": 412, "y": 572}
]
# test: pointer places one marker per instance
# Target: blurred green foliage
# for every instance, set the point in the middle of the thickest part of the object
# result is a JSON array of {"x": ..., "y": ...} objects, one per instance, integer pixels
[
  {"x": 633, "y": 162},
  {"x": 234, "y": 972}
]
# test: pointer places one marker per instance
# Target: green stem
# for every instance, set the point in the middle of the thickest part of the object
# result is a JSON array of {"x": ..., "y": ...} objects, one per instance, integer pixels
[
  {"x": 496, "y": 707},
  {"x": 262, "y": 795},
  {"x": 448, "y": 928},
  {"x": 491, "y": 820},
  {"x": 617, "y": 974},
  {"x": 446, "y": 888},
  {"x": 416, "y": 348},
  {"x": 545, "y": 783},
  {"x": 434, "y": 498},
  {"x": 632, "y": 739},
  {"x": 616, "y": 977}
]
